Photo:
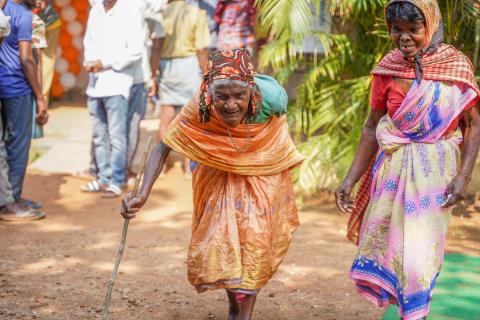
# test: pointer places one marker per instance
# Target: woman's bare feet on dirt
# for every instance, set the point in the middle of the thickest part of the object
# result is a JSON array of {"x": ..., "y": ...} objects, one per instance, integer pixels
[
  {"x": 233, "y": 306},
  {"x": 240, "y": 306},
  {"x": 246, "y": 307}
]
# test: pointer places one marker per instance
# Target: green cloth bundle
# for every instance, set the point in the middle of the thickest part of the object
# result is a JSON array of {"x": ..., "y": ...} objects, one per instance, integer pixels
[{"x": 274, "y": 98}]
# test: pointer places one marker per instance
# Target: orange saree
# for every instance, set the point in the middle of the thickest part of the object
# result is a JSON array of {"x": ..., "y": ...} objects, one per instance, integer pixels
[{"x": 244, "y": 204}]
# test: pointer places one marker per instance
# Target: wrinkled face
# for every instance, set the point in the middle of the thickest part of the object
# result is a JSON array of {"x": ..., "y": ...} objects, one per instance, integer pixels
[
  {"x": 410, "y": 37},
  {"x": 231, "y": 101}
]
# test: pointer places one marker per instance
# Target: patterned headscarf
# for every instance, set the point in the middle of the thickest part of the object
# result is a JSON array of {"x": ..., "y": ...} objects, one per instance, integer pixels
[
  {"x": 233, "y": 64},
  {"x": 433, "y": 26}
]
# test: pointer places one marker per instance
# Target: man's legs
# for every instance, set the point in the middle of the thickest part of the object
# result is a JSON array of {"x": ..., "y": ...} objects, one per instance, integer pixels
[
  {"x": 18, "y": 132},
  {"x": 137, "y": 105},
  {"x": 167, "y": 114},
  {"x": 6, "y": 193},
  {"x": 101, "y": 145},
  {"x": 117, "y": 110},
  {"x": 18, "y": 115}
]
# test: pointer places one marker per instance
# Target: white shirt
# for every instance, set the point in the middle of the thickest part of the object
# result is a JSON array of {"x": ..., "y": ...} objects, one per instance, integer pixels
[{"x": 112, "y": 38}]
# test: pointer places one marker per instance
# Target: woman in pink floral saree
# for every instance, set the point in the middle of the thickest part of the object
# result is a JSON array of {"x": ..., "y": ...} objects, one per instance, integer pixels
[{"x": 422, "y": 92}]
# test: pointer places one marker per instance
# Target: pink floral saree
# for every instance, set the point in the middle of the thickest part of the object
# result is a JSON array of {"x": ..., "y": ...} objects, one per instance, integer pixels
[{"x": 402, "y": 236}]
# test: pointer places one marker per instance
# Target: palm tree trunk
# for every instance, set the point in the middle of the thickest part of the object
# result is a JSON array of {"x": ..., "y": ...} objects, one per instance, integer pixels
[{"x": 477, "y": 45}]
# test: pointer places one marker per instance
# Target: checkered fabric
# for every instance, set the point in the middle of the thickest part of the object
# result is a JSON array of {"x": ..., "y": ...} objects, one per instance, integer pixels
[
  {"x": 446, "y": 64},
  {"x": 361, "y": 202}
]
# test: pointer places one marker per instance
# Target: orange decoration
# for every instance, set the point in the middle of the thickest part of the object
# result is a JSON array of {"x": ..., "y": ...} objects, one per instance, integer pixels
[
  {"x": 57, "y": 90},
  {"x": 82, "y": 16},
  {"x": 82, "y": 5},
  {"x": 69, "y": 51},
  {"x": 74, "y": 68},
  {"x": 65, "y": 37},
  {"x": 70, "y": 54}
]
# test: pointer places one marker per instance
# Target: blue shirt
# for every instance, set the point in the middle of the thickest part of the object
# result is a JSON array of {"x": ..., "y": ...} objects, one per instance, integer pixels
[{"x": 12, "y": 79}]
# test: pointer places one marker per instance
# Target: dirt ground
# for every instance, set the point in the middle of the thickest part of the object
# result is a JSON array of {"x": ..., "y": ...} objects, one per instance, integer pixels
[{"x": 57, "y": 268}]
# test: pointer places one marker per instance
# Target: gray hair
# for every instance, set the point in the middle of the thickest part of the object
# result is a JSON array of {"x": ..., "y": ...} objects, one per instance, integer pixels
[{"x": 227, "y": 82}]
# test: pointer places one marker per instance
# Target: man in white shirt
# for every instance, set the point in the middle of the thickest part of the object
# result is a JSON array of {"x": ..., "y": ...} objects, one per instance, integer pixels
[{"x": 112, "y": 47}]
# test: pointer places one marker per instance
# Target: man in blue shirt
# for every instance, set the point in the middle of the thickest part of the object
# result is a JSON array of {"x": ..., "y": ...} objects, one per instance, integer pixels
[{"x": 18, "y": 81}]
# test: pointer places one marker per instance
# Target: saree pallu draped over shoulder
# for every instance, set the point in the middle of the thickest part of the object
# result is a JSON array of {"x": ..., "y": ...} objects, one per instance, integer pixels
[
  {"x": 244, "y": 205},
  {"x": 402, "y": 237}
]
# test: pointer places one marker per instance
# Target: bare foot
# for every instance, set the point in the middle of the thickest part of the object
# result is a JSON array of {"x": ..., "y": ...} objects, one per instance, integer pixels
[
  {"x": 234, "y": 306},
  {"x": 246, "y": 307}
]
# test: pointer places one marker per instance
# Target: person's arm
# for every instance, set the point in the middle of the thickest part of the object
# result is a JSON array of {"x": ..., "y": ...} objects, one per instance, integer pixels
[
  {"x": 202, "y": 55},
  {"x": 37, "y": 54},
  {"x": 154, "y": 167},
  {"x": 458, "y": 187},
  {"x": 203, "y": 39},
  {"x": 366, "y": 150},
  {"x": 158, "y": 36},
  {"x": 88, "y": 42},
  {"x": 29, "y": 68}
]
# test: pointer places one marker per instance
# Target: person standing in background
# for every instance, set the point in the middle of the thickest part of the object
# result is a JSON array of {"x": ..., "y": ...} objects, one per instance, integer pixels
[
  {"x": 209, "y": 6},
  {"x": 49, "y": 54},
  {"x": 236, "y": 25},
  {"x": 149, "y": 11},
  {"x": 39, "y": 44},
  {"x": 6, "y": 197},
  {"x": 18, "y": 78},
  {"x": 184, "y": 53},
  {"x": 112, "y": 47}
]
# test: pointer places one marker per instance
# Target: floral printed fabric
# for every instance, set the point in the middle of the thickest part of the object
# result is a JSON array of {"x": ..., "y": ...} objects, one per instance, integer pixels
[
  {"x": 39, "y": 41},
  {"x": 403, "y": 232}
]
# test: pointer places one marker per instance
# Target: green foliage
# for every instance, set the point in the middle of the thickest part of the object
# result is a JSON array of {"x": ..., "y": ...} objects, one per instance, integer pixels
[{"x": 331, "y": 103}]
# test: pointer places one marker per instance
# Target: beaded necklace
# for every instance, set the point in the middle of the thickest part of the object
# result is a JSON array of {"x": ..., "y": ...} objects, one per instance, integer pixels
[{"x": 235, "y": 144}]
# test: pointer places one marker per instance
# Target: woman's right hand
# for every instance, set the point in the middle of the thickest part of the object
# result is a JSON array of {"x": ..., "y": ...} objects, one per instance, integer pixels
[
  {"x": 343, "y": 197},
  {"x": 131, "y": 205}
]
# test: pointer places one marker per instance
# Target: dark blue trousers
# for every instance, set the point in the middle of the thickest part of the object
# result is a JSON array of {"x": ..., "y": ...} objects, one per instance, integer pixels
[{"x": 17, "y": 116}]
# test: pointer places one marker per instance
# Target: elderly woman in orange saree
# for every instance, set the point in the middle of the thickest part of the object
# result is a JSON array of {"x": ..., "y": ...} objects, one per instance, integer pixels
[
  {"x": 244, "y": 206},
  {"x": 423, "y": 94}
]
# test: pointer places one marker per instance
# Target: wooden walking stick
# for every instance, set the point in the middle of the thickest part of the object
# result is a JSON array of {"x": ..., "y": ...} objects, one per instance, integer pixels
[{"x": 121, "y": 248}]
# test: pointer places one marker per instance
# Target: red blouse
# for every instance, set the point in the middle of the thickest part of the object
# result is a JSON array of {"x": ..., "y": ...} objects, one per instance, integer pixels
[{"x": 387, "y": 95}]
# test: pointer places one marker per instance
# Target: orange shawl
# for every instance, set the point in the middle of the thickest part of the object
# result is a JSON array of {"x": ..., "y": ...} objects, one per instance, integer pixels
[
  {"x": 244, "y": 204},
  {"x": 271, "y": 149}
]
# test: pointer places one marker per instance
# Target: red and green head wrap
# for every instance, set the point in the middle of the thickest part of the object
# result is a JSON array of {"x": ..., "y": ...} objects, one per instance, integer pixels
[{"x": 233, "y": 64}]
